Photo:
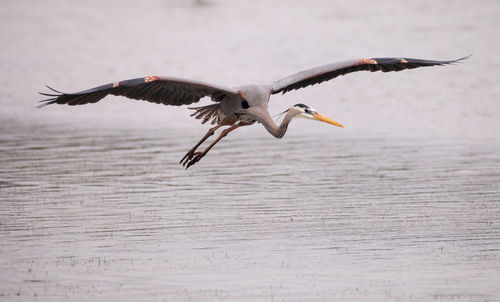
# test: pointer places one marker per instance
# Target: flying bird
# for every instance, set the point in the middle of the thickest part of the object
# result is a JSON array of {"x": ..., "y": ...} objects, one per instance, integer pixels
[{"x": 234, "y": 107}]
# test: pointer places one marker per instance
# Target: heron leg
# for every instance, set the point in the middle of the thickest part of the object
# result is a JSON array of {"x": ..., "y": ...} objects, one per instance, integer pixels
[
  {"x": 228, "y": 121},
  {"x": 190, "y": 153},
  {"x": 198, "y": 155}
]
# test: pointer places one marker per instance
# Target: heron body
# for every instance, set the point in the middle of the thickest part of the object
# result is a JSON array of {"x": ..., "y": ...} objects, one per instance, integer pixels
[
  {"x": 234, "y": 107},
  {"x": 250, "y": 104}
]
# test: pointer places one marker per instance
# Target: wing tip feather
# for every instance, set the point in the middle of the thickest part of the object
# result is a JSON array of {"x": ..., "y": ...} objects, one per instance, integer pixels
[
  {"x": 53, "y": 97},
  {"x": 460, "y": 60}
]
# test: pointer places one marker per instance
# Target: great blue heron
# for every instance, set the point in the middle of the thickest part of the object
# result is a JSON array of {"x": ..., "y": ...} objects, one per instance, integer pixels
[{"x": 238, "y": 106}]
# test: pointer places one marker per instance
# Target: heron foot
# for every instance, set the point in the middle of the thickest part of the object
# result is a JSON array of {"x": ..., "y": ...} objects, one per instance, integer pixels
[
  {"x": 187, "y": 157},
  {"x": 193, "y": 159}
]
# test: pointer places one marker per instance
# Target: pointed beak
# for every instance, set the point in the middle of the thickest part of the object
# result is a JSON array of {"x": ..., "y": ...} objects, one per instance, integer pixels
[{"x": 321, "y": 117}]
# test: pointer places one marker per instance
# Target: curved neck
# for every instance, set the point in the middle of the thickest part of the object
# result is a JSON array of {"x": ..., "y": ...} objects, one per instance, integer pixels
[{"x": 277, "y": 131}]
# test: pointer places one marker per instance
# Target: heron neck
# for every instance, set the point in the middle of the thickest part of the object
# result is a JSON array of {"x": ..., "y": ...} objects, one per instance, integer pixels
[{"x": 274, "y": 129}]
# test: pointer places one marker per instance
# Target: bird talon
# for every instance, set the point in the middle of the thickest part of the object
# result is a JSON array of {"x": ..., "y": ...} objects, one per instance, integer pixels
[
  {"x": 193, "y": 160},
  {"x": 186, "y": 157}
]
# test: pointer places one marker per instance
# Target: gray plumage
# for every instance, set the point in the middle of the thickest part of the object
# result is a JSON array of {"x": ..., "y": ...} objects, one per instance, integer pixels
[{"x": 238, "y": 106}]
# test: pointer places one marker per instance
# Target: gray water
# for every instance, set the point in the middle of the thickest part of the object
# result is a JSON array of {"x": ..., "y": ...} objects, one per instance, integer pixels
[{"x": 401, "y": 205}]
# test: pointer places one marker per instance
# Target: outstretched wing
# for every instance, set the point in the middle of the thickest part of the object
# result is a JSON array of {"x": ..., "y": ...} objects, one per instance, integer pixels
[
  {"x": 327, "y": 72},
  {"x": 160, "y": 90}
]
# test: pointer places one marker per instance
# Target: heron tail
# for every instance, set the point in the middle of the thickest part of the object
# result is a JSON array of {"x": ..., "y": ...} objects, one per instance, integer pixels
[{"x": 207, "y": 113}]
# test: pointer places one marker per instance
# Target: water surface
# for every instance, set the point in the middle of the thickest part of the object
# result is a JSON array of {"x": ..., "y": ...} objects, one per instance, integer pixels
[{"x": 401, "y": 205}]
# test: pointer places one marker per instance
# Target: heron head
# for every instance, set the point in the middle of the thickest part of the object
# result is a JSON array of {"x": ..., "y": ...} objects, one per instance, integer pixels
[{"x": 305, "y": 111}]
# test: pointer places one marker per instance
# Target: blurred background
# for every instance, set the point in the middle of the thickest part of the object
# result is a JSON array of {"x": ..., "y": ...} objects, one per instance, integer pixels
[
  {"x": 72, "y": 46},
  {"x": 400, "y": 205}
]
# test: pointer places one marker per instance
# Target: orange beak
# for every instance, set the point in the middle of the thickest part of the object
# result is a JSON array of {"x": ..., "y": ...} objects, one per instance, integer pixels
[{"x": 321, "y": 117}]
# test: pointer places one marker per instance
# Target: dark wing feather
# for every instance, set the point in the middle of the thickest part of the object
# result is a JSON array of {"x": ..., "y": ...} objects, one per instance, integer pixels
[
  {"x": 327, "y": 72},
  {"x": 160, "y": 90}
]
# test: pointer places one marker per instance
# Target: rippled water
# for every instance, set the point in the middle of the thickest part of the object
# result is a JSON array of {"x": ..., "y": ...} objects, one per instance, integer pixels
[
  {"x": 114, "y": 215},
  {"x": 401, "y": 205}
]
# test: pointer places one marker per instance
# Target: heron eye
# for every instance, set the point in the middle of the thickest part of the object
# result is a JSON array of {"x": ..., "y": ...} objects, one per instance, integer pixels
[{"x": 307, "y": 110}]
